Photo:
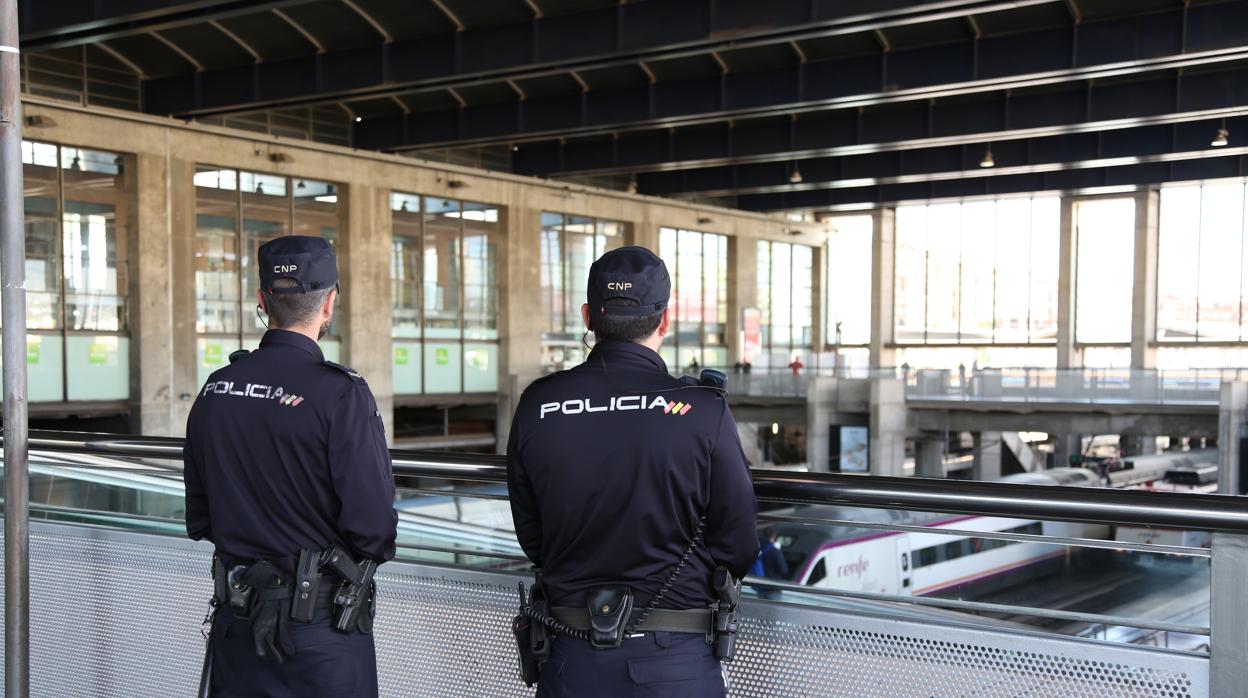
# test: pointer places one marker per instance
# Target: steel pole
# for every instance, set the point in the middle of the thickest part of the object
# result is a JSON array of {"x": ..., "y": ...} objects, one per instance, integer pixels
[{"x": 13, "y": 314}]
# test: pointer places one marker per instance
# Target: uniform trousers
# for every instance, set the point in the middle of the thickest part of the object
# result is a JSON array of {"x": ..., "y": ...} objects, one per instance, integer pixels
[
  {"x": 654, "y": 665},
  {"x": 326, "y": 662}
]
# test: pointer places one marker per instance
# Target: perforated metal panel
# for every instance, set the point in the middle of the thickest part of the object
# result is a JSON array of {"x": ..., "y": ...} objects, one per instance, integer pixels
[{"x": 118, "y": 614}]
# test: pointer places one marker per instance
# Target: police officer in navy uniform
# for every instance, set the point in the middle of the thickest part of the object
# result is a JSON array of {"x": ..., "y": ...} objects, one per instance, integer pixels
[
  {"x": 614, "y": 469},
  {"x": 285, "y": 453}
]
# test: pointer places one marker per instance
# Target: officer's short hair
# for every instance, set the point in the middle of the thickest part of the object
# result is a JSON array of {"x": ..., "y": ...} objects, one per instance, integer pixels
[
  {"x": 293, "y": 309},
  {"x": 625, "y": 328}
]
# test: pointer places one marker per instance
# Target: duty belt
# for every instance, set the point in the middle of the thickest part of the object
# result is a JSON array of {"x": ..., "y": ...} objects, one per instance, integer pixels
[{"x": 659, "y": 620}]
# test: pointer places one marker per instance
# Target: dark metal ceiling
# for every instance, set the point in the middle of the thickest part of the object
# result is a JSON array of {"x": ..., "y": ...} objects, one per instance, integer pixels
[{"x": 706, "y": 98}]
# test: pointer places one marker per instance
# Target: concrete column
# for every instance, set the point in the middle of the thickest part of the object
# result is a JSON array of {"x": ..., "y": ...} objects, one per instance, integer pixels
[
  {"x": 742, "y": 289},
  {"x": 929, "y": 458},
  {"x": 883, "y": 244},
  {"x": 1232, "y": 415},
  {"x": 644, "y": 234},
  {"x": 818, "y": 312},
  {"x": 888, "y": 427},
  {"x": 1137, "y": 444},
  {"x": 1067, "y": 355},
  {"x": 1144, "y": 290},
  {"x": 1065, "y": 446},
  {"x": 987, "y": 463},
  {"x": 154, "y": 410},
  {"x": 519, "y": 326},
  {"x": 820, "y": 413},
  {"x": 366, "y": 293},
  {"x": 184, "y": 359}
]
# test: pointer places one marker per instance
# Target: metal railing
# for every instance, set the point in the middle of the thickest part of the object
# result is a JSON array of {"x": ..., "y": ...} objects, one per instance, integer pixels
[
  {"x": 1027, "y": 385},
  {"x": 1226, "y": 517}
]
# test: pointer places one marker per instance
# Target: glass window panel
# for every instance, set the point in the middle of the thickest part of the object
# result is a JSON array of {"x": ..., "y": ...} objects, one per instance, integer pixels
[
  {"x": 266, "y": 215},
  {"x": 1188, "y": 357},
  {"x": 43, "y": 257},
  {"x": 1105, "y": 244},
  {"x": 763, "y": 270},
  {"x": 1178, "y": 263},
  {"x": 1042, "y": 267},
  {"x": 781, "y": 294},
  {"x": 480, "y": 368},
  {"x": 480, "y": 263},
  {"x": 93, "y": 250},
  {"x": 406, "y": 367},
  {"x": 216, "y": 253},
  {"x": 978, "y": 281},
  {"x": 910, "y": 274},
  {"x": 848, "y": 285},
  {"x": 45, "y": 368},
  {"x": 98, "y": 367},
  {"x": 441, "y": 268},
  {"x": 1013, "y": 228},
  {"x": 579, "y": 246},
  {"x": 943, "y": 272},
  {"x": 405, "y": 261},
  {"x": 443, "y": 363},
  {"x": 803, "y": 292},
  {"x": 1221, "y": 243},
  {"x": 1107, "y": 357},
  {"x": 552, "y": 274}
]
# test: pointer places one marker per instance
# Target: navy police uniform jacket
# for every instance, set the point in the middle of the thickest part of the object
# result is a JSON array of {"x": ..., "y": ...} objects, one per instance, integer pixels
[
  {"x": 611, "y": 463},
  {"x": 286, "y": 451}
]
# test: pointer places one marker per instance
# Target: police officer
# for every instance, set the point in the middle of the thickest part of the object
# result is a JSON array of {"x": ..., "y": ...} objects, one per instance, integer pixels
[
  {"x": 286, "y": 461},
  {"x": 628, "y": 485}
]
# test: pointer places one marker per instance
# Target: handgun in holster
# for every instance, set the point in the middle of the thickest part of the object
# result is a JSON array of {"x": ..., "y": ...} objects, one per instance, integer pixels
[
  {"x": 354, "y": 597},
  {"x": 723, "y": 635}
]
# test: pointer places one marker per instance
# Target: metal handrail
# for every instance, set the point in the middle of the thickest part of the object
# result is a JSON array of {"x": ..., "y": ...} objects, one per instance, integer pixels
[{"x": 1205, "y": 512}]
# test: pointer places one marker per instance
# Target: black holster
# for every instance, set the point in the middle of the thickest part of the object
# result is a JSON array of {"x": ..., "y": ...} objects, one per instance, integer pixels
[{"x": 532, "y": 637}]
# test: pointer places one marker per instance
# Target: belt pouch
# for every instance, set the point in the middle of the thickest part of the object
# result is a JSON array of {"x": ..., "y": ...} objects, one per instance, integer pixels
[
  {"x": 240, "y": 594},
  {"x": 609, "y": 610},
  {"x": 307, "y": 586}
]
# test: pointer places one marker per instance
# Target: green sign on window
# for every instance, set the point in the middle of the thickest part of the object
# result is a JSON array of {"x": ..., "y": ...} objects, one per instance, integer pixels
[
  {"x": 442, "y": 357},
  {"x": 212, "y": 355},
  {"x": 32, "y": 350},
  {"x": 97, "y": 354},
  {"x": 400, "y": 356}
]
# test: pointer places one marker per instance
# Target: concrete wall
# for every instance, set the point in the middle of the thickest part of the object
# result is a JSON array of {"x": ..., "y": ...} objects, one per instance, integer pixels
[{"x": 166, "y": 151}]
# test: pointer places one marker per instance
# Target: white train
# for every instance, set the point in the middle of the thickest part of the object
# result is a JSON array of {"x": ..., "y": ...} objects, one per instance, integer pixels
[{"x": 917, "y": 564}]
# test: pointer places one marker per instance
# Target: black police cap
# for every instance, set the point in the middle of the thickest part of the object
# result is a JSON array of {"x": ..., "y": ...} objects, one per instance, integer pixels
[
  {"x": 634, "y": 273},
  {"x": 309, "y": 261}
]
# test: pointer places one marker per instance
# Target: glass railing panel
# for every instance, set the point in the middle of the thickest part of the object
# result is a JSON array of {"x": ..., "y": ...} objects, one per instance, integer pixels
[{"x": 1118, "y": 583}]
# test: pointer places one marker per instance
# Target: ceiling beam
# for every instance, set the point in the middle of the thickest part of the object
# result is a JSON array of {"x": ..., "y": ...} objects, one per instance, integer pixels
[
  {"x": 1076, "y": 108},
  {"x": 372, "y": 21},
  {"x": 320, "y": 47},
  {"x": 1143, "y": 144},
  {"x": 804, "y": 89},
  {"x": 1112, "y": 179},
  {"x": 238, "y": 40},
  {"x": 123, "y": 18},
  {"x": 121, "y": 58},
  {"x": 186, "y": 55},
  {"x": 442, "y": 7},
  {"x": 411, "y": 65}
]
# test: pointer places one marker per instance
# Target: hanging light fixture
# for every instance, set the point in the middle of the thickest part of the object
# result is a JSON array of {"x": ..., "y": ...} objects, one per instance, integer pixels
[
  {"x": 795, "y": 177},
  {"x": 632, "y": 186},
  {"x": 1221, "y": 138},
  {"x": 988, "y": 160}
]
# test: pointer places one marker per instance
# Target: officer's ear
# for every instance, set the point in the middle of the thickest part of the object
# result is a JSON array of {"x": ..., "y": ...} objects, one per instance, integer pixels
[
  {"x": 327, "y": 308},
  {"x": 665, "y": 323},
  {"x": 585, "y": 316},
  {"x": 260, "y": 300}
]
